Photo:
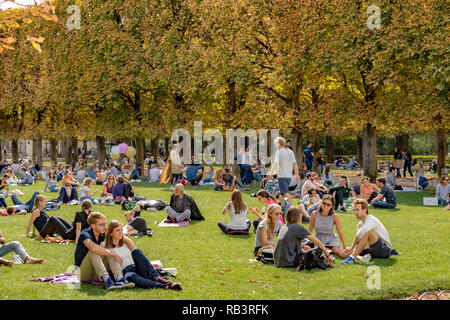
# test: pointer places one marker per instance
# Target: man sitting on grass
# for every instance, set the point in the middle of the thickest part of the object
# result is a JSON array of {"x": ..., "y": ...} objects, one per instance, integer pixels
[
  {"x": 386, "y": 193},
  {"x": 370, "y": 232},
  {"x": 90, "y": 256},
  {"x": 136, "y": 224},
  {"x": 182, "y": 206}
]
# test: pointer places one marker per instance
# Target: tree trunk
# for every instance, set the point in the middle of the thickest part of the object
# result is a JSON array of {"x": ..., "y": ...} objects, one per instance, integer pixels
[
  {"x": 101, "y": 149},
  {"x": 441, "y": 143},
  {"x": 74, "y": 150},
  {"x": 297, "y": 146},
  {"x": 15, "y": 150},
  {"x": 166, "y": 146},
  {"x": 402, "y": 141},
  {"x": 360, "y": 150},
  {"x": 316, "y": 147},
  {"x": 140, "y": 150},
  {"x": 68, "y": 150},
  {"x": 53, "y": 152},
  {"x": 330, "y": 149},
  {"x": 369, "y": 148},
  {"x": 38, "y": 150},
  {"x": 85, "y": 145}
]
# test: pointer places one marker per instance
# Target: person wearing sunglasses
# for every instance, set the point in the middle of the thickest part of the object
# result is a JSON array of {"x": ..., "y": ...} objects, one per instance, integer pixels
[
  {"x": 324, "y": 220},
  {"x": 443, "y": 191},
  {"x": 289, "y": 249},
  {"x": 90, "y": 257},
  {"x": 267, "y": 229}
]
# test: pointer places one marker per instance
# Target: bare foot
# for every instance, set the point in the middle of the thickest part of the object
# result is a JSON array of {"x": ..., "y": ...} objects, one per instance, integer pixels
[
  {"x": 30, "y": 260},
  {"x": 38, "y": 238},
  {"x": 6, "y": 262}
]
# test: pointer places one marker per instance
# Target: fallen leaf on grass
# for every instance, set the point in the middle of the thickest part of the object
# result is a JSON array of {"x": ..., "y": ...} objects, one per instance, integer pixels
[{"x": 278, "y": 277}]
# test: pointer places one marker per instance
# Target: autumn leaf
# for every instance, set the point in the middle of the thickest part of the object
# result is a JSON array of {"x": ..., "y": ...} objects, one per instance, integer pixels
[
  {"x": 26, "y": 20},
  {"x": 7, "y": 47},
  {"x": 36, "y": 45}
]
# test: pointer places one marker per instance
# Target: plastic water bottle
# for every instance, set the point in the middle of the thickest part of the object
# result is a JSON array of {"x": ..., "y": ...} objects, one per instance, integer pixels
[
  {"x": 16, "y": 259},
  {"x": 171, "y": 270}
]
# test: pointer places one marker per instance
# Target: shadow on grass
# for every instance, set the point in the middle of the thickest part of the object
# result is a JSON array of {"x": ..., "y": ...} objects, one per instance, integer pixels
[{"x": 92, "y": 290}]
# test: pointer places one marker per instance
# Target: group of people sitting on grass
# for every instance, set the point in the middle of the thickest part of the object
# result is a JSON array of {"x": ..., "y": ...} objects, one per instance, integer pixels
[{"x": 371, "y": 241}]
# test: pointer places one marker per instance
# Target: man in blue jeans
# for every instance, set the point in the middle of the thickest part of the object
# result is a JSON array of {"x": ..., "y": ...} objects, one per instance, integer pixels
[
  {"x": 386, "y": 193},
  {"x": 309, "y": 156}
]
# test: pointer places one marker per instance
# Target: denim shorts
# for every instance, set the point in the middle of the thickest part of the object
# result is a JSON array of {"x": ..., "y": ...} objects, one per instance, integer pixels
[{"x": 284, "y": 185}]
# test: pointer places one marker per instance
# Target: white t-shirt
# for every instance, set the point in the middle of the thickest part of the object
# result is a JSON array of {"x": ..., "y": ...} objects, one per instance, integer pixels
[
  {"x": 238, "y": 221},
  {"x": 154, "y": 174},
  {"x": 124, "y": 253},
  {"x": 373, "y": 224},
  {"x": 285, "y": 158},
  {"x": 83, "y": 190}
]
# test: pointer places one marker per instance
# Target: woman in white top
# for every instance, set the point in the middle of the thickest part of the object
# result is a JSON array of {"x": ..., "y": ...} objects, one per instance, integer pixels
[
  {"x": 85, "y": 192},
  {"x": 135, "y": 268},
  {"x": 236, "y": 207}
]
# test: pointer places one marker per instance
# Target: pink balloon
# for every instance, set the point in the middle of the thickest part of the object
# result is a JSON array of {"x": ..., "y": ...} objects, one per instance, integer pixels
[{"x": 123, "y": 148}]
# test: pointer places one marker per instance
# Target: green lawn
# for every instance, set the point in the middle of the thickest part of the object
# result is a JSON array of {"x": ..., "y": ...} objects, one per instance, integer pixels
[{"x": 212, "y": 265}]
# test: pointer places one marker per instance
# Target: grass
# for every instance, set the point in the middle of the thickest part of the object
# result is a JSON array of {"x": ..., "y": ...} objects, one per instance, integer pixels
[{"x": 212, "y": 265}]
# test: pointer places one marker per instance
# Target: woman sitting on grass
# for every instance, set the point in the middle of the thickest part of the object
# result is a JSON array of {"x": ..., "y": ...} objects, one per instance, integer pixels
[
  {"x": 12, "y": 177},
  {"x": 219, "y": 184},
  {"x": 324, "y": 220},
  {"x": 368, "y": 191},
  {"x": 265, "y": 198},
  {"x": 267, "y": 229},
  {"x": 4, "y": 190},
  {"x": 237, "y": 209},
  {"x": 81, "y": 218},
  {"x": 288, "y": 250},
  {"x": 51, "y": 182},
  {"x": 48, "y": 225},
  {"x": 85, "y": 192},
  {"x": 136, "y": 269},
  {"x": 17, "y": 247},
  {"x": 108, "y": 186}
]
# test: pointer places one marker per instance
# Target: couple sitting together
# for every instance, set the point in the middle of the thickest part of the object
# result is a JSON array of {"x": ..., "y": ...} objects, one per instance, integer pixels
[{"x": 104, "y": 253}]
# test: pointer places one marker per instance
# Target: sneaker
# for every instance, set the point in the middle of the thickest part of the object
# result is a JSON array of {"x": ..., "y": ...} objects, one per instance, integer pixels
[
  {"x": 109, "y": 285},
  {"x": 175, "y": 286},
  {"x": 343, "y": 209},
  {"x": 172, "y": 189},
  {"x": 124, "y": 284},
  {"x": 18, "y": 193},
  {"x": 364, "y": 259},
  {"x": 348, "y": 260},
  {"x": 394, "y": 252}
]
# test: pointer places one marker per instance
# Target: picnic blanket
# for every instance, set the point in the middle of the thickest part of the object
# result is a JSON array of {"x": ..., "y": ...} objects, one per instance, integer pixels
[
  {"x": 59, "y": 240},
  {"x": 164, "y": 223}
]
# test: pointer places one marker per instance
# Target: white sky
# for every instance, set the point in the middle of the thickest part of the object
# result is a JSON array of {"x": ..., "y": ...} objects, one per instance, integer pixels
[{"x": 8, "y": 4}]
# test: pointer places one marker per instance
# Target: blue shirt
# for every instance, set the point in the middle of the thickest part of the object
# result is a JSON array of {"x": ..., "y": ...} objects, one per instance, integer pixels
[
  {"x": 191, "y": 172},
  {"x": 308, "y": 154},
  {"x": 91, "y": 174},
  {"x": 81, "y": 250},
  {"x": 389, "y": 195}
]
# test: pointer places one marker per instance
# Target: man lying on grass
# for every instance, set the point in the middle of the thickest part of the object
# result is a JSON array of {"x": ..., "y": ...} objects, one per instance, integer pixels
[{"x": 370, "y": 232}]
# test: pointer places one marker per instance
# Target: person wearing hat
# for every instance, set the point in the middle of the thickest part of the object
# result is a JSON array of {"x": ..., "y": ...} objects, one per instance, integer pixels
[{"x": 68, "y": 181}]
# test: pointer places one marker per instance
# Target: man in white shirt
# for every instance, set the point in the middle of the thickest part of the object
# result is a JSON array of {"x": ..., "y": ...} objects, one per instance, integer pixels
[
  {"x": 284, "y": 163},
  {"x": 370, "y": 232},
  {"x": 154, "y": 173}
]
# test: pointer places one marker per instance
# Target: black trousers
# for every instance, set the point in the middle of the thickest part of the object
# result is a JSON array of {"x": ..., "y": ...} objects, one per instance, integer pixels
[
  {"x": 338, "y": 198},
  {"x": 58, "y": 225}
]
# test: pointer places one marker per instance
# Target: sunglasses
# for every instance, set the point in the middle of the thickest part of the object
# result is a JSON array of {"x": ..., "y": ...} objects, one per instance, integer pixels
[
  {"x": 327, "y": 204},
  {"x": 100, "y": 224}
]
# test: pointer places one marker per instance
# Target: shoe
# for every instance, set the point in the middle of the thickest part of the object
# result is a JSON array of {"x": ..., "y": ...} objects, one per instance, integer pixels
[
  {"x": 364, "y": 259},
  {"x": 109, "y": 285},
  {"x": 124, "y": 284},
  {"x": 394, "y": 252},
  {"x": 175, "y": 286},
  {"x": 163, "y": 280},
  {"x": 172, "y": 188},
  {"x": 348, "y": 260},
  {"x": 343, "y": 209}
]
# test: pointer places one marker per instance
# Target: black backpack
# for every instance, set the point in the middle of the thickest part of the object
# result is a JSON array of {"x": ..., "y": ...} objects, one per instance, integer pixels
[
  {"x": 314, "y": 258},
  {"x": 266, "y": 256}
]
